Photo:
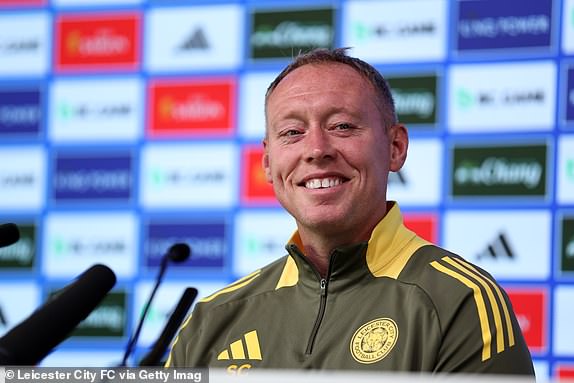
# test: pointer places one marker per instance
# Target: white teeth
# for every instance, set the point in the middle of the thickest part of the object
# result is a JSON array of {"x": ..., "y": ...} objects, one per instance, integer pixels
[{"x": 322, "y": 183}]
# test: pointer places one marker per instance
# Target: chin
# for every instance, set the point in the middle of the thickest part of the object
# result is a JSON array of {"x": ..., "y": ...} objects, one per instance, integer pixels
[{"x": 321, "y": 223}]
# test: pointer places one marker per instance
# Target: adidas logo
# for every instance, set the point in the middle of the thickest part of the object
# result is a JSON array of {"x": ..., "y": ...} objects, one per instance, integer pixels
[
  {"x": 196, "y": 41},
  {"x": 246, "y": 348},
  {"x": 499, "y": 248}
]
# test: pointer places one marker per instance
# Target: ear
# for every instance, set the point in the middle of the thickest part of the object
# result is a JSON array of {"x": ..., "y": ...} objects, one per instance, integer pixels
[
  {"x": 265, "y": 162},
  {"x": 399, "y": 143}
]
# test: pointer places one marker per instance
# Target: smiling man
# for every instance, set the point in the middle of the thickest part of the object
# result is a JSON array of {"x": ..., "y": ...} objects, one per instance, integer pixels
[{"x": 357, "y": 290}]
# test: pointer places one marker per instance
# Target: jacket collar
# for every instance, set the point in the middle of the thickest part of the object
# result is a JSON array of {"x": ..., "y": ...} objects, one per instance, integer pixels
[{"x": 384, "y": 255}]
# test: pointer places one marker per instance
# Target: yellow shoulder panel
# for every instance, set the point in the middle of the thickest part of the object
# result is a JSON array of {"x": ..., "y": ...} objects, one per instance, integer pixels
[
  {"x": 289, "y": 275},
  {"x": 391, "y": 245}
]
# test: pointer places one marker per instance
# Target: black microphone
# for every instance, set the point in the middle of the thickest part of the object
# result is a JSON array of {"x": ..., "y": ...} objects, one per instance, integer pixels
[
  {"x": 9, "y": 234},
  {"x": 34, "y": 338},
  {"x": 176, "y": 253},
  {"x": 154, "y": 356}
]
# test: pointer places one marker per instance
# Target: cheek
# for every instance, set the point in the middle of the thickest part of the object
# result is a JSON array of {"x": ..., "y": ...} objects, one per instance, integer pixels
[{"x": 281, "y": 164}]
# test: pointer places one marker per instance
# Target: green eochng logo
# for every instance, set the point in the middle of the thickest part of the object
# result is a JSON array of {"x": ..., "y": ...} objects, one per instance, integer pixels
[
  {"x": 415, "y": 99},
  {"x": 283, "y": 34},
  {"x": 499, "y": 171}
]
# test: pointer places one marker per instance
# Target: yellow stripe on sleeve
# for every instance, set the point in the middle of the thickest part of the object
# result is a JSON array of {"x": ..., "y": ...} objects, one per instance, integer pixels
[
  {"x": 229, "y": 289},
  {"x": 168, "y": 361},
  {"x": 479, "y": 301},
  {"x": 493, "y": 304},
  {"x": 502, "y": 302}
]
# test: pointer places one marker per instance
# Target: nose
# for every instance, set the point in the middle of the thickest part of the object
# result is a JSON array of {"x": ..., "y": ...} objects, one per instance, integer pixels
[{"x": 319, "y": 145}]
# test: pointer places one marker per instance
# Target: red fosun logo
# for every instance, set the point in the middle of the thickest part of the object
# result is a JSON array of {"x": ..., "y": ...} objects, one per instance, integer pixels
[
  {"x": 97, "y": 42},
  {"x": 191, "y": 107}
]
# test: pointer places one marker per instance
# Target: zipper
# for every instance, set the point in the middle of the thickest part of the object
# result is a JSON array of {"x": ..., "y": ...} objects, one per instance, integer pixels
[{"x": 319, "y": 319}]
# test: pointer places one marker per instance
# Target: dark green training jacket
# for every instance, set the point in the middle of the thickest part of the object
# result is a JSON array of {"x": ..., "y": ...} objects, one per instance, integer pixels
[{"x": 394, "y": 303}]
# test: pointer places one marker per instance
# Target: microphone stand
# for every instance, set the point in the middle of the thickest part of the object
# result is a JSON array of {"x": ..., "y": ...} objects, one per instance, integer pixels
[{"x": 147, "y": 306}]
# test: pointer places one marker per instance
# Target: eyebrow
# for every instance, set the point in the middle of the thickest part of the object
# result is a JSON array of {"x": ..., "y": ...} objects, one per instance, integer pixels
[{"x": 296, "y": 115}]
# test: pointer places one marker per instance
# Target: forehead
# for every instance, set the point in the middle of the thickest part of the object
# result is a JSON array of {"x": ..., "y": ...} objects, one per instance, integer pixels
[
  {"x": 324, "y": 85},
  {"x": 320, "y": 76}
]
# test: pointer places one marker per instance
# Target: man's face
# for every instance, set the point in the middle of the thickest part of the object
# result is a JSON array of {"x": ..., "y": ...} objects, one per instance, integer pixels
[{"x": 327, "y": 151}]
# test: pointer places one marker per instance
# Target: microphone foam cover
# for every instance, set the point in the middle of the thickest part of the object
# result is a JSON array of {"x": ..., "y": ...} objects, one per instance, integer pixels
[
  {"x": 179, "y": 252},
  {"x": 9, "y": 234},
  {"x": 34, "y": 338}
]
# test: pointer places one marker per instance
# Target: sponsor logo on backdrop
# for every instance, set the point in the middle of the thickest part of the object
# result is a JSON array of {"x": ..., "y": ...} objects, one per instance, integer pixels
[
  {"x": 498, "y": 248},
  {"x": 75, "y": 241},
  {"x": 510, "y": 244},
  {"x": 390, "y": 31},
  {"x": 492, "y": 25},
  {"x": 280, "y": 34},
  {"x": 22, "y": 177},
  {"x": 565, "y": 171},
  {"x": 198, "y": 42},
  {"x": 499, "y": 171},
  {"x": 530, "y": 307},
  {"x": 22, "y": 254},
  {"x": 423, "y": 224},
  {"x": 415, "y": 99},
  {"x": 207, "y": 239},
  {"x": 97, "y": 41},
  {"x": 419, "y": 181},
  {"x": 108, "y": 320},
  {"x": 111, "y": 110},
  {"x": 192, "y": 107},
  {"x": 495, "y": 97},
  {"x": 563, "y": 331},
  {"x": 260, "y": 238},
  {"x": 567, "y": 244},
  {"x": 17, "y": 46},
  {"x": 20, "y": 111},
  {"x": 92, "y": 177},
  {"x": 25, "y": 43},
  {"x": 255, "y": 188},
  {"x": 77, "y": 247},
  {"x": 189, "y": 175}
]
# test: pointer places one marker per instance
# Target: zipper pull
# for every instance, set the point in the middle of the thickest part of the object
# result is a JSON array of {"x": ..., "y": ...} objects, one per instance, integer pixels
[{"x": 323, "y": 286}]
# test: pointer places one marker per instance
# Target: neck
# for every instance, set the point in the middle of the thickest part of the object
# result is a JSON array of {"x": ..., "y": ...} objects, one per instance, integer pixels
[
  {"x": 318, "y": 258},
  {"x": 318, "y": 248},
  {"x": 318, "y": 245}
]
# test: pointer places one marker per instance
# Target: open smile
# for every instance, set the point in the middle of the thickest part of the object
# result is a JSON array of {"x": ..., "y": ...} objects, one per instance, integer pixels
[{"x": 323, "y": 183}]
